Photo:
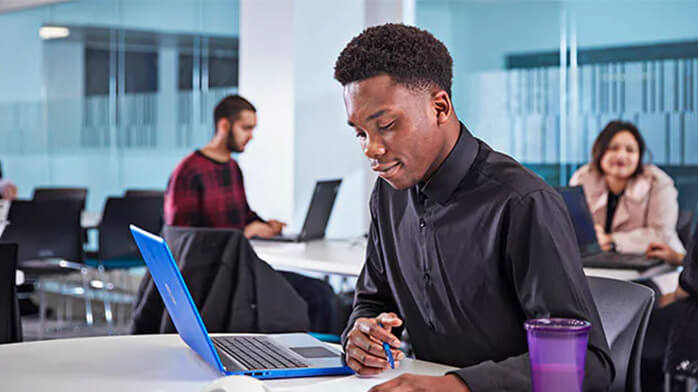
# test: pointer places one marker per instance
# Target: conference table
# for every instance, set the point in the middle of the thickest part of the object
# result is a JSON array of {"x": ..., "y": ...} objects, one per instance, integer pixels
[{"x": 147, "y": 363}]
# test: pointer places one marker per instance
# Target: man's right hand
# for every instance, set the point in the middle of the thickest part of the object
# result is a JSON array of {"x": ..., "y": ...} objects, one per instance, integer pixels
[
  {"x": 258, "y": 229},
  {"x": 364, "y": 350}
]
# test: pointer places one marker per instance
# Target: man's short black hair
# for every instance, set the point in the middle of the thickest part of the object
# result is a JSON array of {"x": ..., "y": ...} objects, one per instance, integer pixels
[
  {"x": 230, "y": 108},
  {"x": 411, "y": 56}
]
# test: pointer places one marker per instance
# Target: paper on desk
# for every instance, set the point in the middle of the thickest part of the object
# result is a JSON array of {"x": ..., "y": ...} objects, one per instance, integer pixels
[{"x": 346, "y": 383}]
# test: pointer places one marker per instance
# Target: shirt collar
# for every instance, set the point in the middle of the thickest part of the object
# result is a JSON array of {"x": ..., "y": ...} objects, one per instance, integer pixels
[{"x": 457, "y": 164}]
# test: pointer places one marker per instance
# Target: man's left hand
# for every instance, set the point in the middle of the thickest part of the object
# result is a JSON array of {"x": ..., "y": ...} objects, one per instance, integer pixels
[
  {"x": 8, "y": 190},
  {"x": 414, "y": 383}
]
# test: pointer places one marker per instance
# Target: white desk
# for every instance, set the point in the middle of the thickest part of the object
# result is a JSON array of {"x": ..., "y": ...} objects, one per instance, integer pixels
[
  {"x": 144, "y": 363},
  {"x": 342, "y": 257},
  {"x": 335, "y": 257}
]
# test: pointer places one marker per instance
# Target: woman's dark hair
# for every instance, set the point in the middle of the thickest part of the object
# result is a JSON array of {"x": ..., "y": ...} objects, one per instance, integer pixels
[{"x": 604, "y": 140}]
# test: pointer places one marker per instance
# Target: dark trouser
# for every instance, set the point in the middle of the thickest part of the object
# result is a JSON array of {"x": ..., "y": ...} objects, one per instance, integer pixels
[{"x": 319, "y": 296}]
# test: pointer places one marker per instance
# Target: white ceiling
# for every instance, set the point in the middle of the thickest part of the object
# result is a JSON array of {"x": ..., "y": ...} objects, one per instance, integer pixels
[{"x": 14, "y": 5}]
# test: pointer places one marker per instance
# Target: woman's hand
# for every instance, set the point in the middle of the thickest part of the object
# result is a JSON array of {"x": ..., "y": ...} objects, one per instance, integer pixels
[
  {"x": 605, "y": 240},
  {"x": 660, "y": 250}
]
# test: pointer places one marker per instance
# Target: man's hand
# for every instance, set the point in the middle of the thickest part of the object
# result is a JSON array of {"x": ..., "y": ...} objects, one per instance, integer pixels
[
  {"x": 414, "y": 383},
  {"x": 276, "y": 225},
  {"x": 259, "y": 229},
  {"x": 364, "y": 349},
  {"x": 662, "y": 251},
  {"x": 8, "y": 190},
  {"x": 603, "y": 238}
]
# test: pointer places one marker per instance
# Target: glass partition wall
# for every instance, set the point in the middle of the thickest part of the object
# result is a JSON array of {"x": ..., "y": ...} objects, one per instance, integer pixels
[
  {"x": 539, "y": 80},
  {"x": 111, "y": 94}
]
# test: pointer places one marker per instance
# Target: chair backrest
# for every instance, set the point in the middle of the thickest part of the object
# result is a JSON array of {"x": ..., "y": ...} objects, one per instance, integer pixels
[
  {"x": 115, "y": 239},
  {"x": 684, "y": 227},
  {"x": 624, "y": 308},
  {"x": 10, "y": 323},
  {"x": 45, "y": 229},
  {"x": 143, "y": 192},
  {"x": 45, "y": 193}
]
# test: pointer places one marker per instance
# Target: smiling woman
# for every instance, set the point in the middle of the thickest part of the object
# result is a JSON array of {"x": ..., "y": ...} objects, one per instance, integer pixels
[{"x": 633, "y": 204}]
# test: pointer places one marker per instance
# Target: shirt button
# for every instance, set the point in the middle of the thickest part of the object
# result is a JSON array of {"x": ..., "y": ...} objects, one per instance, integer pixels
[
  {"x": 427, "y": 277},
  {"x": 421, "y": 224}
]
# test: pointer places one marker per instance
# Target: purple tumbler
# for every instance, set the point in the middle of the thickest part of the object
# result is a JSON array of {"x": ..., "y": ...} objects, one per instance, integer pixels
[{"x": 557, "y": 348}]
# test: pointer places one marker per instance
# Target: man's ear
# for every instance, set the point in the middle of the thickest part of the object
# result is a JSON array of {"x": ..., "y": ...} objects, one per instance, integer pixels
[
  {"x": 223, "y": 124},
  {"x": 442, "y": 105}
]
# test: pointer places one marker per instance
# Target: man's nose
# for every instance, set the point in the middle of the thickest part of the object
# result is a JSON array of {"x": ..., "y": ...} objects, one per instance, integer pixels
[{"x": 374, "y": 149}]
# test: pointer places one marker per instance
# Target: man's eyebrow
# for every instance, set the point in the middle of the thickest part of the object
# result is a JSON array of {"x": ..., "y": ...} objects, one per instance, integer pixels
[
  {"x": 371, "y": 117},
  {"x": 375, "y": 115}
]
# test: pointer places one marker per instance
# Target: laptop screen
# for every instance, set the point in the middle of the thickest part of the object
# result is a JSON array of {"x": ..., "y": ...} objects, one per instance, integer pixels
[
  {"x": 581, "y": 219},
  {"x": 320, "y": 209}
]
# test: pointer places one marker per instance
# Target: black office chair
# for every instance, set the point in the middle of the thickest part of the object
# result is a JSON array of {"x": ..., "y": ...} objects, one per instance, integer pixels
[
  {"x": 46, "y": 193},
  {"x": 45, "y": 230},
  {"x": 49, "y": 236},
  {"x": 115, "y": 240},
  {"x": 624, "y": 308},
  {"x": 117, "y": 249},
  {"x": 688, "y": 196},
  {"x": 684, "y": 227},
  {"x": 10, "y": 322},
  {"x": 143, "y": 192}
]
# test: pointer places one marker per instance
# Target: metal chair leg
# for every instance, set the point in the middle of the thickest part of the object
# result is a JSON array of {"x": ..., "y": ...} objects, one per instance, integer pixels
[
  {"x": 42, "y": 309},
  {"x": 89, "y": 318},
  {"x": 105, "y": 298}
]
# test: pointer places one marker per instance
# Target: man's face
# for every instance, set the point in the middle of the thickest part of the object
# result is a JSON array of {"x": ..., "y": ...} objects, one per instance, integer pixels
[
  {"x": 241, "y": 131},
  {"x": 397, "y": 129}
]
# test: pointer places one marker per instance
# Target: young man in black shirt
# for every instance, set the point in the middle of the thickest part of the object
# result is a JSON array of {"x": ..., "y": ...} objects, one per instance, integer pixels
[{"x": 465, "y": 244}]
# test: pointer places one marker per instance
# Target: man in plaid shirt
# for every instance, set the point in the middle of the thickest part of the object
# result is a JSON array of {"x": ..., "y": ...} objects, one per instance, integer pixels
[{"x": 206, "y": 190}]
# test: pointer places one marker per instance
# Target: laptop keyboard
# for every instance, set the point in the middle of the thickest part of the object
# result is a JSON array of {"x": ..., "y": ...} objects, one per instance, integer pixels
[
  {"x": 618, "y": 260},
  {"x": 257, "y": 352}
]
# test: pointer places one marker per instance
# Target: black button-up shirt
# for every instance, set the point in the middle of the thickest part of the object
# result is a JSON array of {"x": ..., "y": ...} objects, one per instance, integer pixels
[{"x": 467, "y": 257}]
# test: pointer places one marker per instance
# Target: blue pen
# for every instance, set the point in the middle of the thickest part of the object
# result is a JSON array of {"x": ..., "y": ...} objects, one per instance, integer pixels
[{"x": 388, "y": 353}]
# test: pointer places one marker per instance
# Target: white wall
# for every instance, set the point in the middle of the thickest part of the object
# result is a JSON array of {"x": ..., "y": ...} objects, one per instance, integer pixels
[
  {"x": 288, "y": 50},
  {"x": 267, "y": 80},
  {"x": 325, "y": 145}
]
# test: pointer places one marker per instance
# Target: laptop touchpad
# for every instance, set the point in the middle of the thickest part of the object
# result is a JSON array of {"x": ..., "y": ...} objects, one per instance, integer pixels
[{"x": 314, "y": 352}]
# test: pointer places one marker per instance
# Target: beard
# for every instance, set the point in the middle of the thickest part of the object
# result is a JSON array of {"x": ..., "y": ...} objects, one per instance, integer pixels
[{"x": 231, "y": 143}]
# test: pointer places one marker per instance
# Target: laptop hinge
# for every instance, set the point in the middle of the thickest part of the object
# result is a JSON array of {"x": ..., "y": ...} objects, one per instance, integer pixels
[{"x": 229, "y": 363}]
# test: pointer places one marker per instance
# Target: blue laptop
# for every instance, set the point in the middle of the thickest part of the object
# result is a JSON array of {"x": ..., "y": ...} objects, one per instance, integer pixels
[{"x": 260, "y": 356}]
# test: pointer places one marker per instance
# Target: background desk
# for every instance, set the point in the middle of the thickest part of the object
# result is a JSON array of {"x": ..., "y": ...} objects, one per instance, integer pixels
[
  {"x": 343, "y": 257},
  {"x": 143, "y": 363},
  {"x": 334, "y": 257}
]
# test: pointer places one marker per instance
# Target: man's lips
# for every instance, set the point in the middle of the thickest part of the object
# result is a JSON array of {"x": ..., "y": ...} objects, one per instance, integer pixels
[{"x": 384, "y": 168}]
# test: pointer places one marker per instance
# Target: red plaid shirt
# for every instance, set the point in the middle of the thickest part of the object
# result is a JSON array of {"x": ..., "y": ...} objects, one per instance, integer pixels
[{"x": 205, "y": 193}]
